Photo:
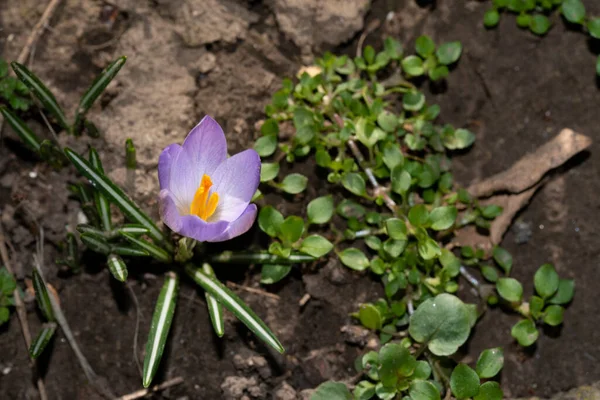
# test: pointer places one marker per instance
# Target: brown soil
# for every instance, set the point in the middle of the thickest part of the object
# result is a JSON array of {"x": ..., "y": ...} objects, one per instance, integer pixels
[{"x": 188, "y": 58}]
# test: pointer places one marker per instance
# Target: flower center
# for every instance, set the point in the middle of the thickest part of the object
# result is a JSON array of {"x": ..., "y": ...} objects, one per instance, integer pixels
[{"x": 203, "y": 205}]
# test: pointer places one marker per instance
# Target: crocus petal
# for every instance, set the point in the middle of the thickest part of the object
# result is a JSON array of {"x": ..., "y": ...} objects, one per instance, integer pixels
[
  {"x": 236, "y": 181},
  {"x": 165, "y": 161},
  {"x": 239, "y": 226},
  {"x": 188, "y": 225},
  {"x": 206, "y": 146},
  {"x": 184, "y": 181}
]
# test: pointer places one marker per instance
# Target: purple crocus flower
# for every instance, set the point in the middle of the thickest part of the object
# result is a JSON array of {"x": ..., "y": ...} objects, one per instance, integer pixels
[{"x": 205, "y": 195}]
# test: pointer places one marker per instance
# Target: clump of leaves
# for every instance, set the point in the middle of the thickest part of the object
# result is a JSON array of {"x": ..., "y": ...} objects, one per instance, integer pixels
[
  {"x": 533, "y": 15},
  {"x": 13, "y": 92},
  {"x": 7, "y": 287}
]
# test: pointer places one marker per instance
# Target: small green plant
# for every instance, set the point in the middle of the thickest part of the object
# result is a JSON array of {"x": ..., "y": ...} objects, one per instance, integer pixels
[
  {"x": 533, "y": 15},
  {"x": 7, "y": 287},
  {"x": 13, "y": 92}
]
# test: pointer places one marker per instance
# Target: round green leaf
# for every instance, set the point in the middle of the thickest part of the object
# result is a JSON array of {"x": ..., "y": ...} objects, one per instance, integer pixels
[
  {"x": 271, "y": 273},
  {"x": 320, "y": 210},
  {"x": 565, "y": 292},
  {"x": 266, "y": 145},
  {"x": 350, "y": 209},
  {"x": 364, "y": 390},
  {"x": 546, "y": 281},
  {"x": 401, "y": 180},
  {"x": 439, "y": 72},
  {"x": 593, "y": 27},
  {"x": 573, "y": 11},
  {"x": 503, "y": 258},
  {"x": 428, "y": 248},
  {"x": 422, "y": 371},
  {"x": 449, "y": 53},
  {"x": 387, "y": 121},
  {"x": 539, "y": 24},
  {"x": 385, "y": 393},
  {"x": 268, "y": 171},
  {"x": 413, "y": 101},
  {"x": 442, "y": 218},
  {"x": 413, "y": 66},
  {"x": 536, "y": 304},
  {"x": 269, "y": 220},
  {"x": 354, "y": 258},
  {"x": 509, "y": 289},
  {"x": 294, "y": 183},
  {"x": 418, "y": 215},
  {"x": 395, "y": 361},
  {"x": 491, "y": 211},
  {"x": 354, "y": 183},
  {"x": 396, "y": 228},
  {"x": 490, "y": 391},
  {"x": 423, "y": 390},
  {"x": 424, "y": 46},
  {"x": 270, "y": 127},
  {"x": 392, "y": 156},
  {"x": 490, "y": 362},
  {"x": 464, "y": 382},
  {"x": 525, "y": 332},
  {"x": 450, "y": 263},
  {"x": 441, "y": 322},
  {"x": 489, "y": 273},
  {"x": 459, "y": 139},
  {"x": 291, "y": 229},
  {"x": 331, "y": 391},
  {"x": 316, "y": 246},
  {"x": 491, "y": 18},
  {"x": 553, "y": 315},
  {"x": 370, "y": 316}
]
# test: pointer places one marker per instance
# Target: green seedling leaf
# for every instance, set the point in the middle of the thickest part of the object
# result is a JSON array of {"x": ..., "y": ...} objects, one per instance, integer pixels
[
  {"x": 489, "y": 273},
  {"x": 490, "y": 391},
  {"x": 320, "y": 210},
  {"x": 43, "y": 94},
  {"x": 266, "y": 145},
  {"x": 354, "y": 258},
  {"x": 418, "y": 215},
  {"x": 573, "y": 11},
  {"x": 270, "y": 220},
  {"x": 159, "y": 329},
  {"x": 269, "y": 171},
  {"x": 553, "y": 315},
  {"x": 413, "y": 66},
  {"x": 449, "y": 53},
  {"x": 96, "y": 89},
  {"x": 450, "y": 263},
  {"x": 593, "y": 27},
  {"x": 387, "y": 121},
  {"x": 429, "y": 248},
  {"x": 491, "y": 211},
  {"x": 459, "y": 139},
  {"x": 117, "y": 267},
  {"x": 464, "y": 382},
  {"x": 234, "y": 304},
  {"x": 503, "y": 258},
  {"x": 395, "y": 361},
  {"x": 401, "y": 180},
  {"x": 350, "y": 209},
  {"x": 116, "y": 195},
  {"x": 102, "y": 203},
  {"x": 539, "y": 24},
  {"x": 96, "y": 243},
  {"x": 525, "y": 332},
  {"x": 43, "y": 338},
  {"x": 509, "y": 289},
  {"x": 129, "y": 251},
  {"x": 4, "y": 315},
  {"x": 439, "y": 73},
  {"x": 396, "y": 228},
  {"x": 291, "y": 229},
  {"x": 442, "y": 323},
  {"x": 392, "y": 156},
  {"x": 423, "y": 390},
  {"x": 294, "y": 183},
  {"x": 272, "y": 273},
  {"x": 316, "y": 246},
  {"x": 154, "y": 251},
  {"x": 370, "y": 316},
  {"x": 442, "y": 218},
  {"x": 364, "y": 390},
  {"x": 546, "y": 281},
  {"x": 42, "y": 296},
  {"x": 422, "y": 370},
  {"x": 491, "y": 18},
  {"x": 536, "y": 305},
  {"x": 523, "y": 20},
  {"x": 424, "y": 46},
  {"x": 413, "y": 101},
  {"x": 215, "y": 310},
  {"x": 565, "y": 292},
  {"x": 30, "y": 139},
  {"x": 331, "y": 391},
  {"x": 393, "y": 48},
  {"x": 490, "y": 363},
  {"x": 354, "y": 183},
  {"x": 7, "y": 283},
  {"x": 270, "y": 127}
]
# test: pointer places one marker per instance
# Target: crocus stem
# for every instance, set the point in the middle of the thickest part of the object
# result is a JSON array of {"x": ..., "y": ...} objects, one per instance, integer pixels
[{"x": 258, "y": 258}]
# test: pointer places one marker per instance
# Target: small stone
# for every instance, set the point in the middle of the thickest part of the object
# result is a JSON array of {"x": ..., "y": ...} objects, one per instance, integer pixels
[
  {"x": 285, "y": 392},
  {"x": 233, "y": 387}
]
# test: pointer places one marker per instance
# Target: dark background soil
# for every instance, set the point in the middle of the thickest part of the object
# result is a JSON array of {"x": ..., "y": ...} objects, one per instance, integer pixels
[{"x": 514, "y": 90}]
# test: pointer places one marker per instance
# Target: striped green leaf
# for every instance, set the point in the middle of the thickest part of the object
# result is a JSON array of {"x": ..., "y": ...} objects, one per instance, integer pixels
[
  {"x": 234, "y": 304},
  {"x": 43, "y": 338},
  {"x": 18, "y": 125},
  {"x": 42, "y": 296},
  {"x": 102, "y": 203},
  {"x": 95, "y": 243},
  {"x": 159, "y": 329},
  {"x": 153, "y": 250},
  {"x": 117, "y": 267},
  {"x": 214, "y": 308},
  {"x": 124, "y": 250},
  {"x": 229, "y": 257}
]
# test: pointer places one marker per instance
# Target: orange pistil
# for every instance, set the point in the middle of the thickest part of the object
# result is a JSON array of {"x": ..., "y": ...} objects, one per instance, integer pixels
[{"x": 203, "y": 205}]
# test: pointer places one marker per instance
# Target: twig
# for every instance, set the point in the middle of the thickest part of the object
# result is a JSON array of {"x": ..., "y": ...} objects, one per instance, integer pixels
[
  {"x": 21, "y": 312},
  {"x": 138, "y": 317},
  {"x": 370, "y": 28},
  {"x": 38, "y": 30},
  {"x": 471, "y": 279},
  {"x": 253, "y": 290},
  {"x": 143, "y": 392},
  {"x": 96, "y": 381},
  {"x": 302, "y": 302}
]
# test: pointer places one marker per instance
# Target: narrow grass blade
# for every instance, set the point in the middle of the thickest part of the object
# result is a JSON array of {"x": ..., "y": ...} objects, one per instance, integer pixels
[
  {"x": 40, "y": 91},
  {"x": 102, "y": 203},
  {"x": 41, "y": 341},
  {"x": 117, "y": 267},
  {"x": 85, "y": 228},
  {"x": 96, "y": 89},
  {"x": 42, "y": 296},
  {"x": 72, "y": 251},
  {"x": 20, "y": 127},
  {"x": 134, "y": 229},
  {"x": 159, "y": 329},
  {"x": 229, "y": 257},
  {"x": 116, "y": 195},
  {"x": 214, "y": 308},
  {"x": 153, "y": 250},
  {"x": 95, "y": 243},
  {"x": 130, "y": 158},
  {"x": 129, "y": 251},
  {"x": 234, "y": 304}
]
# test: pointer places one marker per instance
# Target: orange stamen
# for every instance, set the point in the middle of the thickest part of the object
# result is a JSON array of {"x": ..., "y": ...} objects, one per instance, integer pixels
[{"x": 203, "y": 205}]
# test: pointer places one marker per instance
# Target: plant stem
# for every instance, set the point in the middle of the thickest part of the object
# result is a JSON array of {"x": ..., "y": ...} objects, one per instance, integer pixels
[{"x": 229, "y": 257}]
